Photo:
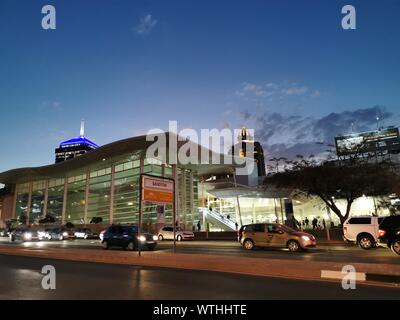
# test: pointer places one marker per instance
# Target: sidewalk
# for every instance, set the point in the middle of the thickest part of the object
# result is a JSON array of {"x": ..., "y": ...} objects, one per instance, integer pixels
[{"x": 306, "y": 270}]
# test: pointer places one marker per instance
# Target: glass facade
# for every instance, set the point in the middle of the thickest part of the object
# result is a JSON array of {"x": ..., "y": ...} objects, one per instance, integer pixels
[
  {"x": 55, "y": 199},
  {"x": 75, "y": 204},
  {"x": 99, "y": 197},
  {"x": 37, "y": 202},
  {"x": 21, "y": 208},
  {"x": 104, "y": 193}
]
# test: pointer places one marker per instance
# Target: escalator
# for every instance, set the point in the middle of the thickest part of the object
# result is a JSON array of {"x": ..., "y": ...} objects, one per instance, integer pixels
[{"x": 218, "y": 220}]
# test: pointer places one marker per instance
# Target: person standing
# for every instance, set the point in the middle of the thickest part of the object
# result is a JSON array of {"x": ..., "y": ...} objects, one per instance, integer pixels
[
  {"x": 236, "y": 225},
  {"x": 198, "y": 225},
  {"x": 324, "y": 223},
  {"x": 306, "y": 222},
  {"x": 314, "y": 223}
]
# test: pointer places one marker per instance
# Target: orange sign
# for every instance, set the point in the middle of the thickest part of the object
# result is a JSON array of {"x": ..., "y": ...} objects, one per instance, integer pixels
[{"x": 157, "y": 190}]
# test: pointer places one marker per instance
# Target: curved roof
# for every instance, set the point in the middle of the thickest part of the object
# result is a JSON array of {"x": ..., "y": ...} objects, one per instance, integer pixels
[
  {"x": 78, "y": 140},
  {"x": 110, "y": 153}
]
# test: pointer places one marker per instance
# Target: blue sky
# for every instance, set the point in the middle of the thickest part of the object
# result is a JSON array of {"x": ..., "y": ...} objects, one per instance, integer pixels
[{"x": 126, "y": 66}]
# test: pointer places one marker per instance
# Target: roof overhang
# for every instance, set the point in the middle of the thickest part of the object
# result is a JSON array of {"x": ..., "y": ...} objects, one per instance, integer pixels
[{"x": 120, "y": 150}]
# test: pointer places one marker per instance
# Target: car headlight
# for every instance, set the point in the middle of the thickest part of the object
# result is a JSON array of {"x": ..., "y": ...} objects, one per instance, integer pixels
[
  {"x": 65, "y": 234},
  {"x": 142, "y": 239},
  {"x": 306, "y": 238},
  {"x": 27, "y": 236},
  {"x": 155, "y": 238}
]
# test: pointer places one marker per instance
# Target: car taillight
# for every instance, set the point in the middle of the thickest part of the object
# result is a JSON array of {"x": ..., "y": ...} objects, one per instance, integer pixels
[{"x": 381, "y": 233}]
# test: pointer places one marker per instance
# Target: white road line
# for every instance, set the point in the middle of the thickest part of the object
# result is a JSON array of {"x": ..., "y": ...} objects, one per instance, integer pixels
[{"x": 329, "y": 274}]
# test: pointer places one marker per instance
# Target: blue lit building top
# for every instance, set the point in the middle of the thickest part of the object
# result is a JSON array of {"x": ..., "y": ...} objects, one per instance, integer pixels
[{"x": 79, "y": 141}]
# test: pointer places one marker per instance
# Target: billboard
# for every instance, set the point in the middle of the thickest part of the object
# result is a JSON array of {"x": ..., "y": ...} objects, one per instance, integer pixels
[
  {"x": 157, "y": 190},
  {"x": 383, "y": 140}
]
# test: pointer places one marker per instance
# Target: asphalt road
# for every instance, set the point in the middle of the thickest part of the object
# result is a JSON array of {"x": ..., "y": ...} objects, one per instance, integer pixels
[
  {"x": 21, "y": 278},
  {"x": 334, "y": 253}
]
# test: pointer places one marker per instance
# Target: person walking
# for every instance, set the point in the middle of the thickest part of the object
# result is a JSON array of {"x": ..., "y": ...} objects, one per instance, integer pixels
[
  {"x": 228, "y": 216},
  {"x": 324, "y": 223},
  {"x": 236, "y": 225},
  {"x": 198, "y": 225}
]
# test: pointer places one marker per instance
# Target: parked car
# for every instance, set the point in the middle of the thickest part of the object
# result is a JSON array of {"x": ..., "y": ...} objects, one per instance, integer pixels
[
  {"x": 127, "y": 237},
  {"x": 85, "y": 233},
  {"x": 167, "y": 233},
  {"x": 389, "y": 233},
  {"x": 3, "y": 232},
  {"x": 43, "y": 234},
  {"x": 275, "y": 235},
  {"x": 101, "y": 235},
  {"x": 23, "y": 234},
  {"x": 60, "y": 234},
  {"x": 362, "y": 230}
]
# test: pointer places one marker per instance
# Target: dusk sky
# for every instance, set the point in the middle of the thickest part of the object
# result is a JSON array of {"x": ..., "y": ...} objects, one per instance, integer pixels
[{"x": 280, "y": 67}]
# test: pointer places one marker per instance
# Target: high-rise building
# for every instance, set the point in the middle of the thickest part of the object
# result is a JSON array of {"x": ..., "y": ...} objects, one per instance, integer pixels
[
  {"x": 258, "y": 152},
  {"x": 75, "y": 147}
]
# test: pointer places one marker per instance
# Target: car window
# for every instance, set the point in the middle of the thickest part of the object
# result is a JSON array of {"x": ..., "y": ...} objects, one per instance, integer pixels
[
  {"x": 273, "y": 228},
  {"x": 112, "y": 230},
  {"x": 389, "y": 222},
  {"x": 258, "y": 228},
  {"x": 364, "y": 220},
  {"x": 168, "y": 229}
]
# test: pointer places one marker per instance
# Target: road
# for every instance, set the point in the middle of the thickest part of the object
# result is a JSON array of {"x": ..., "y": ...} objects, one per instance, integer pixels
[
  {"x": 21, "y": 279},
  {"x": 334, "y": 253}
]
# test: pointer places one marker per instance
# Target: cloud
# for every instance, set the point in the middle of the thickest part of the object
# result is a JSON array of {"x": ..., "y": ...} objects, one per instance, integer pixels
[
  {"x": 295, "y": 90},
  {"x": 315, "y": 94},
  {"x": 146, "y": 25},
  {"x": 289, "y": 135},
  {"x": 50, "y": 106}
]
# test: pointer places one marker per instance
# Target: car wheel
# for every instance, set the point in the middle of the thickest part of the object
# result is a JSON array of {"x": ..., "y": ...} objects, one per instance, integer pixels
[
  {"x": 179, "y": 238},
  {"x": 131, "y": 246},
  {"x": 366, "y": 242},
  {"x": 293, "y": 246},
  {"x": 248, "y": 244},
  {"x": 160, "y": 237},
  {"x": 105, "y": 245},
  {"x": 396, "y": 246}
]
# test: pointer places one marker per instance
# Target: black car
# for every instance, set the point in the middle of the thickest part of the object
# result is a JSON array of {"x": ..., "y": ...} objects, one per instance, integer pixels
[
  {"x": 23, "y": 234},
  {"x": 127, "y": 237},
  {"x": 389, "y": 233}
]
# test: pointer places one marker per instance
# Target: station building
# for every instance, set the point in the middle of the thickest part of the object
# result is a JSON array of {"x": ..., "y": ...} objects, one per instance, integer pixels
[{"x": 103, "y": 184}]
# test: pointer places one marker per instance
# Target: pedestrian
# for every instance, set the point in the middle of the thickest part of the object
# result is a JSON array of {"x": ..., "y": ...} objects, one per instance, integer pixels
[
  {"x": 198, "y": 226},
  {"x": 228, "y": 216},
  {"x": 306, "y": 222},
  {"x": 314, "y": 223},
  {"x": 236, "y": 225},
  {"x": 324, "y": 223}
]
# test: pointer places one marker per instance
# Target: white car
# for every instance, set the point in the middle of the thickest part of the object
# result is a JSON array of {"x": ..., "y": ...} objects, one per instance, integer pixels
[
  {"x": 167, "y": 233},
  {"x": 363, "y": 230}
]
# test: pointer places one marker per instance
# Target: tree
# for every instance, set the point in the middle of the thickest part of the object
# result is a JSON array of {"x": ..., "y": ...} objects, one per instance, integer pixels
[
  {"x": 331, "y": 181},
  {"x": 96, "y": 220}
]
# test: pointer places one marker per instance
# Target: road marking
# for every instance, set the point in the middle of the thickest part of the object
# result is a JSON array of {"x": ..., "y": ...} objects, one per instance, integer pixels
[{"x": 329, "y": 274}]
